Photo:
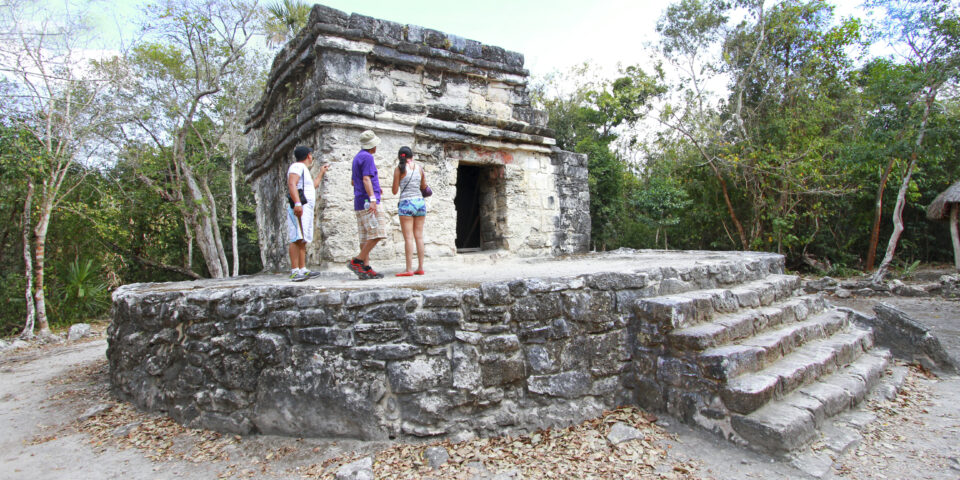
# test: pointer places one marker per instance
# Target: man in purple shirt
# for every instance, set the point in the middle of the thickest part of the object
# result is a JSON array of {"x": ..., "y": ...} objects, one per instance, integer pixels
[{"x": 371, "y": 220}]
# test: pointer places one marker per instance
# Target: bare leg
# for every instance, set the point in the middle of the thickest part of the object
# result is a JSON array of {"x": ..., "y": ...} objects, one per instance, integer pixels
[
  {"x": 406, "y": 226},
  {"x": 418, "y": 233},
  {"x": 298, "y": 252},
  {"x": 365, "y": 251}
]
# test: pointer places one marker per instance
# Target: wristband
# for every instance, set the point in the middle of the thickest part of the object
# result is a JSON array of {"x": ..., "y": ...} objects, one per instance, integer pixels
[{"x": 298, "y": 204}]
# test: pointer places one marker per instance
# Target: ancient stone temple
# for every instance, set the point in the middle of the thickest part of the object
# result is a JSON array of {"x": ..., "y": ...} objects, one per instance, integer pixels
[
  {"x": 499, "y": 182},
  {"x": 726, "y": 341}
]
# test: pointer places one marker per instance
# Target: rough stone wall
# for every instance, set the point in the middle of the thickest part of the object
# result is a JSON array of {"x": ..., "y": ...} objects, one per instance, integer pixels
[
  {"x": 573, "y": 229},
  {"x": 907, "y": 338},
  {"x": 388, "y": 363},
  {"x": 453, "y": 101}
]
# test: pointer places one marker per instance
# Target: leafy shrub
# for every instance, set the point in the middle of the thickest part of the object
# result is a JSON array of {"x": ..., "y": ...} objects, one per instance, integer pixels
[{"x": 83, "y": 295}]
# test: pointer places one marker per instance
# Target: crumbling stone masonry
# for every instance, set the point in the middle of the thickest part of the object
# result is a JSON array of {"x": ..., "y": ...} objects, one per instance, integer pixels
[
  {"x": 375, "y": 363},
  {"x": 499, "y": 182},
  {"x": 723, "y": 341}
]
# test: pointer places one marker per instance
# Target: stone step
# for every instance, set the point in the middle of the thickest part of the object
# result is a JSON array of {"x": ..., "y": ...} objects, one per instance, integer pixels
[
  {"x": 731, "y": 327},
  {"x": 792, "y": 421},
  {"x": 689, "y": 308},
  {"x": 751, "y": 383},
  {"x": 766, "y": 291},
  {"x": 782, "y": 341}
]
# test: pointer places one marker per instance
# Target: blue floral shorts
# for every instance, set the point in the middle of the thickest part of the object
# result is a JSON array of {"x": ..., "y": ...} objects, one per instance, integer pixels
[{"x": 413, "y": 207}]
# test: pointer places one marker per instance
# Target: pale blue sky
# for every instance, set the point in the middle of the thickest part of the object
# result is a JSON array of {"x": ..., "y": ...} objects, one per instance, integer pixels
[{"x": 551, "y": 34}]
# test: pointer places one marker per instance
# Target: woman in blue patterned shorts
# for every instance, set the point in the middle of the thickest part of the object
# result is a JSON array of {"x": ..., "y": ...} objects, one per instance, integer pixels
[{"x": 408, "y": 179}]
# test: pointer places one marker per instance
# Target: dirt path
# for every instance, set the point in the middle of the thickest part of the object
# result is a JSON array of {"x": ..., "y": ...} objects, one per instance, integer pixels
[
  {"x": 918, "y": 434},
  {"x": 43, "y": 435},
  {"x": 32, "y": 440}
]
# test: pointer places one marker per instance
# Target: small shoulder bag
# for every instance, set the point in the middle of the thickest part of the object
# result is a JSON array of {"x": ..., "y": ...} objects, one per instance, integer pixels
[
  {"x": 425, "y": 191},
  {"x": 303, "y": 198}
]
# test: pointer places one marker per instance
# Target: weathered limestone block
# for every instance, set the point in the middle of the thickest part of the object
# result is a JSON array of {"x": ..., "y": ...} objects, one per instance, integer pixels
[
  {"x": 336, "y": 400},
  {"x": 908, "y": 338},
  {"x": 418, "y": 374},
  {"x": 567, "y": 384}
]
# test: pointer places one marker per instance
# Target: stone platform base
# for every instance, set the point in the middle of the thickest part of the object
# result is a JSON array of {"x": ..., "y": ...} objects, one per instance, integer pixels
[{"x": 481, "y": 345}]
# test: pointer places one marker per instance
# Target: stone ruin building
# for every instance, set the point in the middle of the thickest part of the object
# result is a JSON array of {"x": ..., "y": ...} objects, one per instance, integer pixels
[
  {"x": 499, "y": 181},
  {"x": 722, "y": 340}
]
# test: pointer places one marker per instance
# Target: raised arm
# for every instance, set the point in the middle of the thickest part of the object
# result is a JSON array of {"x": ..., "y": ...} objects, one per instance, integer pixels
[{"x": 320, "y": 174}]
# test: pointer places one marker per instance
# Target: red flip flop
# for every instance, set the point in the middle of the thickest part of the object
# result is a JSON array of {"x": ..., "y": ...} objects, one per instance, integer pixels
[
  {"x": 419, "y": 272},
  {"x": 405, "y": 274}
]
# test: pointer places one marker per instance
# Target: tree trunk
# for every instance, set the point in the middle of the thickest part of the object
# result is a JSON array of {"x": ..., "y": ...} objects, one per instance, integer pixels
[
  {"x": 902, "y": 194},
  {"x": 215, "y": 218},
  {"x": 233, "y": 215},
  {"x": 197, "y": 208},
  {"x": 207, "y": 243},
  {"x": 877, "y": 215},
  {"x": 40, "y": 234},
  {"x": 188, "y": 259},
  {"x": 955, "y": 234},
  {"x": 897, "y": 225},
  {"x": 30, "y": 322},
  {"x": 205, "y": 226},
  {"x": 744, "y": 244}
]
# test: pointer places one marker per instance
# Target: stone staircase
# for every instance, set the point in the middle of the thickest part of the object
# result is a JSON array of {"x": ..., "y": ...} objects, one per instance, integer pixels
[{"x": 759, "y": 363}]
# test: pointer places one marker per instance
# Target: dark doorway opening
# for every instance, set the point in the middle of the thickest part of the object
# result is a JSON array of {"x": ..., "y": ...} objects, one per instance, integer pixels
[{"x": 481, "y": 208}]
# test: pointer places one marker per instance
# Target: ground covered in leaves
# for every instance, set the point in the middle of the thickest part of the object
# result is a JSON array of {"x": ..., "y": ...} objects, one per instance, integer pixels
[
  {"x": 916, "y": 435},
  {"x": 578, "y": 451},
  {"x": 581, "y": 450}
]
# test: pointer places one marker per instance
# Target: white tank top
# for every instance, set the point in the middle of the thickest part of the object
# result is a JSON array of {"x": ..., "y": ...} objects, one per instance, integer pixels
[{"x": 410, "y": 184}]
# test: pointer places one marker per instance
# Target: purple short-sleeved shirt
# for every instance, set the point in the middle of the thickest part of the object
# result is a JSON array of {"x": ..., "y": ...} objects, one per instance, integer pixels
[{"x": 364, "y": 166}]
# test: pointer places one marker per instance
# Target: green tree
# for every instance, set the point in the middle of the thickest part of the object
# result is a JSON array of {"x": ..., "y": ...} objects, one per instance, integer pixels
[
  {"x": 17, "y": 148},
  {"x": 588, "y": 120},
  {"x": 690, "y": 31},
  {"x": 285, "y": 19},
  {"x": 58, "y": 100},
  {"x": 931, "y": 31},
  {"x": 660, "y": 201},
  {"x": 173, "y": 87},
  {"x": 772, "y": 145}
]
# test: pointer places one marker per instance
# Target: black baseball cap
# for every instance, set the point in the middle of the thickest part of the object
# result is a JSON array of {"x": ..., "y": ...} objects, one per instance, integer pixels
[{"x": 301, "y": 152}]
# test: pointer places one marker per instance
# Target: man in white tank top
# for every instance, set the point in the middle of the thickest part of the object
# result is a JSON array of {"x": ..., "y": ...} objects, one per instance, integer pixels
[{"x": 300, "y": 214}]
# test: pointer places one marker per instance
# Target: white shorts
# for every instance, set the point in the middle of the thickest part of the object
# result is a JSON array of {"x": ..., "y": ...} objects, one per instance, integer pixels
[{"x": 293, "y": 224}]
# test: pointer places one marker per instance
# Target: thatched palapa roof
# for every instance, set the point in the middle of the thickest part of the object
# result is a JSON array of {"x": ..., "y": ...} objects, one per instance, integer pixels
[{"x": 939, "y": 209}]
